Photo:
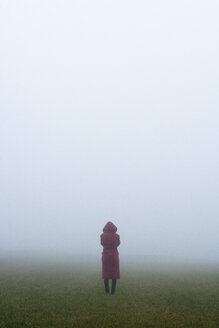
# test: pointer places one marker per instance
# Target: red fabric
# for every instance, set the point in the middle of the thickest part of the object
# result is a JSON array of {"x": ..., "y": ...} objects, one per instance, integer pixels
[{"x": 110, "y": 240}]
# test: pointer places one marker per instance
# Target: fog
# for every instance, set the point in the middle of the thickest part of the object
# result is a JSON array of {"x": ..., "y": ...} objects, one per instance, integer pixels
[{"x": 109, "y": 110}]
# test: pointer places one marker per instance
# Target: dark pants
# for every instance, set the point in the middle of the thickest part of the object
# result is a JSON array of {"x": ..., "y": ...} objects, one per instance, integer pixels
[{"x": 106, "y": 284}]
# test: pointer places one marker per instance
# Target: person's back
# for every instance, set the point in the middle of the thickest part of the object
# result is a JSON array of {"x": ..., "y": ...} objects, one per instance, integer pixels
[{"x": 110, "y": 240}]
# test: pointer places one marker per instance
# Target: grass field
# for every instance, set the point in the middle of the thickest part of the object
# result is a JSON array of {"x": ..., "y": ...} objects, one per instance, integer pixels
[{"x": 62, "y": 297}]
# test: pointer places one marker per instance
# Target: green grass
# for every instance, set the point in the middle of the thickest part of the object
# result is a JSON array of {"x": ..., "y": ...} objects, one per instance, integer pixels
[{"x": 73, "y": 297}]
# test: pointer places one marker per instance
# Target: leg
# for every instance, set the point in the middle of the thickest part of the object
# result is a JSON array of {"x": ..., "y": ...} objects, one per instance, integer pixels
[
  {"x": 113, "y": 286},
  {"x": 106, "y": 284}
]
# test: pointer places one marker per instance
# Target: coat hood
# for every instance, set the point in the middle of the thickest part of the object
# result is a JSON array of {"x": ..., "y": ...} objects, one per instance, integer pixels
[{"x": 110, "y": 227}]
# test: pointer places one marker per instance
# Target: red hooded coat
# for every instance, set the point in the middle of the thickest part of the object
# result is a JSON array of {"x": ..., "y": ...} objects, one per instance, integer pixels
[{"x": 110, "y": 240}]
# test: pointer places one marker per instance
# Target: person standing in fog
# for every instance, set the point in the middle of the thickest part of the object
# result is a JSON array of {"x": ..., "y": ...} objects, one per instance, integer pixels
[{"x": 110, "y": 240}]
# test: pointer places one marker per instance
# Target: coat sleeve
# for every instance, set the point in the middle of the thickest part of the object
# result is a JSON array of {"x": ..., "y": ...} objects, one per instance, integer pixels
[
  {"x": 102, "y": 240},
  {"x": 117, "y": 240}
]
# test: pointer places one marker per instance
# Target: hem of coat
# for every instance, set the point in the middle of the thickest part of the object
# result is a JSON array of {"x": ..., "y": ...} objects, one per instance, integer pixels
[{"x": 111, "y": 277}]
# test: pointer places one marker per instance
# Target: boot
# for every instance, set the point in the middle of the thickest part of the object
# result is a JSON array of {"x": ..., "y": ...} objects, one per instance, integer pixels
[
  {"x": 106, "y": 284},
  {"x": 113, "y": 286}
]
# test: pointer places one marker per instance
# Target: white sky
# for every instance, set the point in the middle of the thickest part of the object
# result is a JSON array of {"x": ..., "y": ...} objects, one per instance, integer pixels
[{"x": 109, "y": 110}]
